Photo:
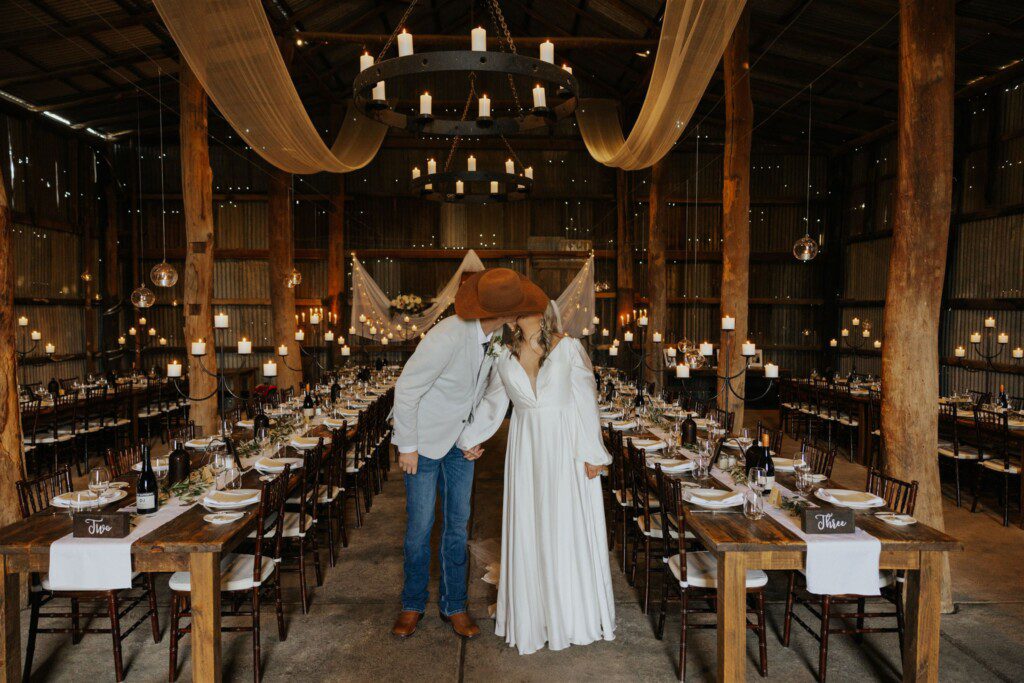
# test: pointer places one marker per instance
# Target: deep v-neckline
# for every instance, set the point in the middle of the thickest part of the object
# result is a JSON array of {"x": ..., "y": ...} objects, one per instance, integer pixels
[{"x": 532, "y": 381}]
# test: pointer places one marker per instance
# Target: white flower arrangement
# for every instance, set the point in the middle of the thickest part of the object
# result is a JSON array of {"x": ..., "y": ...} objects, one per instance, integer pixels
[{"x": 407, "y": 303}]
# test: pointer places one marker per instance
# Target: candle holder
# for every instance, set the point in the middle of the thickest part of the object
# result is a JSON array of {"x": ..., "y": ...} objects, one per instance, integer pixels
[
  {"x": 987, "y": 350},
  {"x": 857, "y": 347},
  {"x": 24, "y": 349}
]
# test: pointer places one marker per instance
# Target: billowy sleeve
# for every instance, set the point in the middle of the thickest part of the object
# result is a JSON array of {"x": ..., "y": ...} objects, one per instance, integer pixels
[
  {"x": 589, "y": 441},
  {"x": 487, "y": 416}
]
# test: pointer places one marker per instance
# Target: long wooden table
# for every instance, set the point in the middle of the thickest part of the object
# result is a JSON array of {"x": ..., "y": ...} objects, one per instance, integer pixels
[{"x": 186, "y": 543}]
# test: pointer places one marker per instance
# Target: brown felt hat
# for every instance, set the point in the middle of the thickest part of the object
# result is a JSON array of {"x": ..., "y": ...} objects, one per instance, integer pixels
[{"x": 499, "y": 292}]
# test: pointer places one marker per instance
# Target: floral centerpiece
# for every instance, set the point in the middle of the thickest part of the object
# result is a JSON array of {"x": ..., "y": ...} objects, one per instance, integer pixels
[{"x": 407, "y": 304}]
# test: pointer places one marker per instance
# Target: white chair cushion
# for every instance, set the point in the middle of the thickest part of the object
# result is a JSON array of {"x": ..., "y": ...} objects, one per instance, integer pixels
[
  {"x": 236, "y": 572},
  {"x": 1000, "y": 466},
  {"x": 963, "y": 453},
  {"x": 44, "y": 580},
  {"x": 291, "y": 526},
  {"x": 702, "y": 571},
  {"x": 656, "y": 530},
  {"x": 328, "y": 495}
]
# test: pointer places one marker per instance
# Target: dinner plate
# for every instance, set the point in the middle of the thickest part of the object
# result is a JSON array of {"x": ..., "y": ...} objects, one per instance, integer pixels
[
  {"x": 231, "y": 500},
  {"x": 611, "y": 414},
  {"x": 713, "y": 498},
  {"x": 307, "y": 442},
  {"x": 223, "y": 517},
  {"x": 335, "y": 423},
  {"x": 670, "y": 465},
  {"x": 204, "y": 443},
  {"x": 852, "y": 499},
  {"x": 159, "y": 465},
  {"x": 275, "y": 465},
  {"x": 621, "y": 426},
  {"x": 87, "y": 499},
  {"x": 649, "y": 444},
  {"x": 896, "y": 519}
]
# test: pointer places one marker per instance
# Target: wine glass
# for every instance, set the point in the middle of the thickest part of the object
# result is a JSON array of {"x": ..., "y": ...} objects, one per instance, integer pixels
[
  {"x": 804, "y": 483},
  {"x": 99, "y": 480},
  {"x": 221, "y": 463}
]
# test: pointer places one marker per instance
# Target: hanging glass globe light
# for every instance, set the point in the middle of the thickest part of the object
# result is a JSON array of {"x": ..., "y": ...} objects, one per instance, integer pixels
[
  {"x": 805, "y": 249},
  {"x": 143, "y": 296},
  {"x": 163, "y": 274},
  {"x": 690, "y": 353}
]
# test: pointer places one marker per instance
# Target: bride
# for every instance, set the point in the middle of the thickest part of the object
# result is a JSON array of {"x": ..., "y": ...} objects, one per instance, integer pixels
[{"x": 555, "y": 582}]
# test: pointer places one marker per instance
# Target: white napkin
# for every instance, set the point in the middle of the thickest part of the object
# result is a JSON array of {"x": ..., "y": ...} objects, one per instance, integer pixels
[
  {"x": 713, "y": 497},
  {"x": 302, "y": 442},
  {"x": 649, "y": 444},
  {"x": 620, "y": 426},
  {"x": 852, "y": 499}
]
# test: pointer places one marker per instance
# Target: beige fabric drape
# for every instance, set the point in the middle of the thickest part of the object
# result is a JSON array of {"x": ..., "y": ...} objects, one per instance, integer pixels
[
  {"x": 230, "y": 47},
  {"x": 694, "y": 34}
]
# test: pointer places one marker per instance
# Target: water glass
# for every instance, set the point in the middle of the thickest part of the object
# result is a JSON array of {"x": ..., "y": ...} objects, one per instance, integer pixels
[
  {"x": 757, "y": 479},
  {"x": 753, "y": 504},
  {"x": 222, "y": 462},
  {"x": 803, "y": 474}
]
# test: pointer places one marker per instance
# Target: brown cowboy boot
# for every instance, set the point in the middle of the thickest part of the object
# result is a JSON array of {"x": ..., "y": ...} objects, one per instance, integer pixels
[
  {"x": 463, "y": 625},
  {"x": 406, "y": 623}
]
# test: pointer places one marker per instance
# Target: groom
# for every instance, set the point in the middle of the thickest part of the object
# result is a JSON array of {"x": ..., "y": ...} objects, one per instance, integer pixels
[{"x": 435, "y": 397}]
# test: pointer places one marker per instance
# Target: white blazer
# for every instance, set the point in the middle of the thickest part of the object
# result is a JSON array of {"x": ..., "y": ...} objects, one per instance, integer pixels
[{"x": 439, "y": 387}]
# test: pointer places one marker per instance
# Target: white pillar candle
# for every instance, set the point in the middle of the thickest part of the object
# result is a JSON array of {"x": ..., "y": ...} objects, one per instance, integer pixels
[
  {"x": 990, "y": 322},
  {"x": 547, "y": 52},
  {"x": 959, "y": 352},
  {"x": 50, "y": 348},
  {"x": 707, "y": 349},
  {"x": 539, "y": 96},
  {"x": 244, "y": 347},
  {"x": 314, "y": 318},
  {"x": 36, "y": 335},
  {"x": 682, "y": 371},
  {"x": 566, "y": 68},
  {"x": 628, "y": 336},
  {"x": 975, "y": 337},
  {"x": 282, "y": 350},
  {"x": 199, "y": 348},
  {"x": 844, "y": 332},
  {"x": 613, "y": 351},
  {"x": 414, "y": 328},
  {"x": 471, "y": 163},
  {"x": 384, "y": 341},
  {"x": 404, "y": 41},
  {"x": 460, "y": 187},
  {"x": 771, "y": 370},
  {"x": 615, "y": 342},
  {"x": 878, "y": 343},
  {"x": 478, "y": 39},
  {"x": 174, "y": 369},
  {"x": 510, "y": 167},
  {"x": 671, "y": 351},
  {"x": 855, "y": 322},
  {"x": 484, "y": 110},
  {"x": 415, "y": 175},
  {"x": 1018, "y": 352},
  {"x": 142, "y": 320},
  {"x": 329, "y": 335},
  {"x": 426, "y": 104},
  {"x": 586, "y": 331},
  {"x": 642, "y": 321},
  {"x": 1003, "y": 338},
  {"x": 431, "y": 166},
  {"x": 163, "y": 341},
  {"x": 595, "y": 320},
  {"x": 300, "y": 335},
  {"x": 220, "y": 321},
  {"x": 121, "y": 340},
  {"x": 378, "y": 91},
  {"x": 865, "y": 333},
  {"x": 656, "y": 337},
  {"x": 528, "y": 172},
  {"x": 346, "y": 351},
  {"x": 605, "y": 332},
  {"x": 151, "y": 332},
  {"x": 22, "y": 321},
  {"x": 365, "y": 61},
  {"x": 373, "y": 331},
  {"x": 270, "y": 369},
  {"x": 748, "y": 349},
  {"x": 494, "y": 187},
  {"x": 362, "y": 317},
  {"x": 728, "y": 323},
  {"x": 132, "y": 331},
  {"x": 833, "y": 343},
  {"x": 351, "y": 330}
]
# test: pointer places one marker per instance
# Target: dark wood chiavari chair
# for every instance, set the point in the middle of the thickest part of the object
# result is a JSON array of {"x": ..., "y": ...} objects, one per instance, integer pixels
[
  {"x": 34, "y": 496},
  {"x": 354, "y": 472},
  {"x": 979, "y": 398},
  {"x": 725, "y": 419},
  {"x": 951, "y": 447},
  {"x": 622, "y": 498},
  {"x": 820, "y": 460},
  {"x": 901, "y": 497},
  {"x": 254, "y": 574},
  {"x": 996, "y": 459},
  {"x": 774, "y": 437},
  {"x": 122, "y": 461},
  {"x": 184, "y": 432},
  {"x": 299, "y": 537},
  {"x": 842, "y": 417},
  {"x": 30, "y": 411},
  {"x": 695, "y": 579},
  {"x": 330, "y": 506},
  {"x": 877, "y": 445},
  {"x": 648, "y": 522}
]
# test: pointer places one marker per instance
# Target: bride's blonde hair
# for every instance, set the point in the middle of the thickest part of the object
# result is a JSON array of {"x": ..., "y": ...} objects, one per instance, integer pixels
[{"x": 550, "y": 330}]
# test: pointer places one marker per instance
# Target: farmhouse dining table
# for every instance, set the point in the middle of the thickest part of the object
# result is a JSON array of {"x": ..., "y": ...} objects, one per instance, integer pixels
[
  {"x": 185, "y": 543},
  {"x": 740, "y": 544}
]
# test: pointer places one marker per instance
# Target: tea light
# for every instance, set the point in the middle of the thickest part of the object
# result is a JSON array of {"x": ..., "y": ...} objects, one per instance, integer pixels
[
  {"x": 539, "y": 97},
  {"x": 959, "y": 352},
  {"x": 656, "y": 337},
  {"x": 595, "y": 320},
  {"x": 682, "y": 371},
  {"x": 199, "y": 348},
  {"x": 642, "y": 320},
  {"x": 282, "y": 350},
  {"x": 244, "y": 347},
  {"x": 528, "y": 172},
  {"x": 404, "y": 41},
  {"x": 748, "y": 349},
  {"x": 671, "y": 351},
  {"x": 50, "y": 348},
  {"x": 346, "y": 351},
  {"x": 384, "y": 341},
  {"x": 547, "y": 52},
  {"x": 351, "y": 330},
  {"x": 707, "y": 349},
  {"x": 833, "y": 343},
  {"x": 300, "y": 335},
  {"x": 142, "y": 320},
  {"x": 329, "y": 335},
  {"x": 613, "y": 351},
  {"x": 771, "y": 370},
  {"x": 566, "y": 68},
  {"x": 478, "y": 39},
  {"x": 471, "y": 161},
  {"x": 220, "y": 321},
  {"x": 174, "y": 369},
  {"x": 728, "y": 322},
  {"x": 426, "y": 104},
  {"x": 483, "y": 110},
  {"x": 365, "y": 61},
  {"x": 1018, "y": 352},
  {"x": 22, "y": 321},
  {"x": 314, "y": 318},
  {"x": 615, "y": 342},
  {"x": 990, "y": 322},
  {"x": 270, "y": 369},
  {"x": 1003, "y": 338},
  {"x": 373, "y": 331},
  {"x": 628, "y": 336},
  {"x": 36, "y": 335},
  {"x": 975, "y": 337}
]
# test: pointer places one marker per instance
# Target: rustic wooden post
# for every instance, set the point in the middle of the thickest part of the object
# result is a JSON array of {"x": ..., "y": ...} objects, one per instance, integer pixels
[
  {"x": 197, "y": 198},
  {"x": 917, "y": 261},
  {"x": 739, "y": 118},
  {"x": 624, "y": 298},
  {"x": 10, "y": 413},
  {"x": 111, "y": 257},
  {"x": 335, "y": 303},
  {"x": 282, "y": 262},
  {"x": 657, "y": 277}
]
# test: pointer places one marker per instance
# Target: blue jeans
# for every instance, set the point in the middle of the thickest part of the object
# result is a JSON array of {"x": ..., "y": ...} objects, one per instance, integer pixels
[{"x": 452, "y": 475}]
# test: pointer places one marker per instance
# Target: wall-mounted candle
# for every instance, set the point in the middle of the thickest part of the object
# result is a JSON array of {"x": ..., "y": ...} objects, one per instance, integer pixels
[
  {"x": 990, "y": 322},
  {"x": 494, "y": 187},
  {"x": 844, "y": 332},
  {"x": 365, "y": 61},
  {"x": 605, "y": 332},
  {"x": 671, "y": 351},
  {"x": 865, "y": 333},
  {"x": 460, "y": 187},
  {"x": 959, "y": 352},
  {"x": 22, "y": 321},
  {"x": 151, "y": 332},
  {"x": 1018, "y": 352},
  {"x": 36, "y": 335},
  {"x": 748, "y": 348},
  {"x": 855, "y": 322},
  {"x": 528, "y": 172},
  {"x": 270, "y": 369},
  {"x": 199, "y": 348},
  {"x": 50, "y": 348},
  {"x": 404, "y": 40},
  {"x": 378, "y": 91},
  {"x": 878, "y": 343},
  {"x": 121, "y": 340},
  {"x": 282, "y": 350},
  {"x": 220, "y": 321},
  {"x": 244, "y": 346},
  {"x": 613, "y": 351},
  {"x": 478, "y": 39},
  {"x": 163, "y": 341},
  {"x": 484, "y": 107},
  {"x": 329, "y": 335},
  {"x": 975, "y": 337},
  {"x": 132, "y": 331},
  {"x": 300, "y": 335},
  {"x": 1003, "y": 338},
  {"x": 771, "y": 370},
  {"x": 656, "y": 337},
  {"x": 707, "y": 349},
  {"x": 628, "y": 336},
  {"x": 431, "y": 166},
  {"x": 471, "y": 163},
  {"x": 346, "y": 351},
  {"x": 547, "y": 52},
  {"x": 540, "y": 98},
  {"x": 426, "y": 104},
  {"x": 566, "y": 68},
  {"x": 833, "y": 343},
  {"x": 174, "y": 369},
  {"x": 728, "y": 323},
  {"x": 682, "y": 371}
]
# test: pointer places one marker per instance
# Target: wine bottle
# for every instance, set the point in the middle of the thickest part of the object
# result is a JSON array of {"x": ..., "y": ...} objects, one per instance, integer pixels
[
  {"x": 335, "y": 390},
  {"x": 689, "y": 430},
  {"x": 760, "y": 455},
  {"x": 307, "y": 404},
  {"x": 147, "y": 493},
  {"x": 179, "y": 465},
  {"x": 1004, "y": 402}
]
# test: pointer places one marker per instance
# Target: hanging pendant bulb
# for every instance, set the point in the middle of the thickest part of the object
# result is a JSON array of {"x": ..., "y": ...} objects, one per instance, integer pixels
[
  {"x": 163, "y": 274},
  {"x": 143, "y": 296},
  {"x": 805, "y": 249}
]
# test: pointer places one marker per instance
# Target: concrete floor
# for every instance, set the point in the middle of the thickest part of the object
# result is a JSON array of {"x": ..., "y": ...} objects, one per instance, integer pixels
[{"x": 346, "y": 635}]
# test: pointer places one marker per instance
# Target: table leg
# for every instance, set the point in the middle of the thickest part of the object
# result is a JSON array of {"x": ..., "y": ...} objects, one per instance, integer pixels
[
  {"x": 205, "y": 570},
  {"x": 10, "y": 614},
  {"x": 732, "y": 617},
  {"x": 924, "y": 603}
]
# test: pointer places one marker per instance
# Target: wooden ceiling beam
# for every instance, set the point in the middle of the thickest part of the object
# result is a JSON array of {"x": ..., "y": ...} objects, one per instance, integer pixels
[
  {"x": 85, "y": 67},
  {"x": 109, "y": 22}
]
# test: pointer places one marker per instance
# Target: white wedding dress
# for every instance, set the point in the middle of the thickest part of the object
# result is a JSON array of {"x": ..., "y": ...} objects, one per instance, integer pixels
[{"x": 555, "y": 583}]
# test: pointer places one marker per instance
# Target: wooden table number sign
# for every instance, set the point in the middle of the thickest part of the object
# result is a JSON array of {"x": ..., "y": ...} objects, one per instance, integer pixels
[
  {"x": 828, "y": 520},
  {"x": 101, "y": 524}
]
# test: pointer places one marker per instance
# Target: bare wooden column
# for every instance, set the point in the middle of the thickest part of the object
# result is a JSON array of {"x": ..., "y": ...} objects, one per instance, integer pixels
[
  {"x": 282, "y": 261},
  {"x": 336, "y": 260},
  {"x": 657, "y": 276},
  {"x": 197, "y": 198},
  {"x": 624, "y": 300},
  {"x": 739, "y": 118},
  {"x": 917, "y": 262}
]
